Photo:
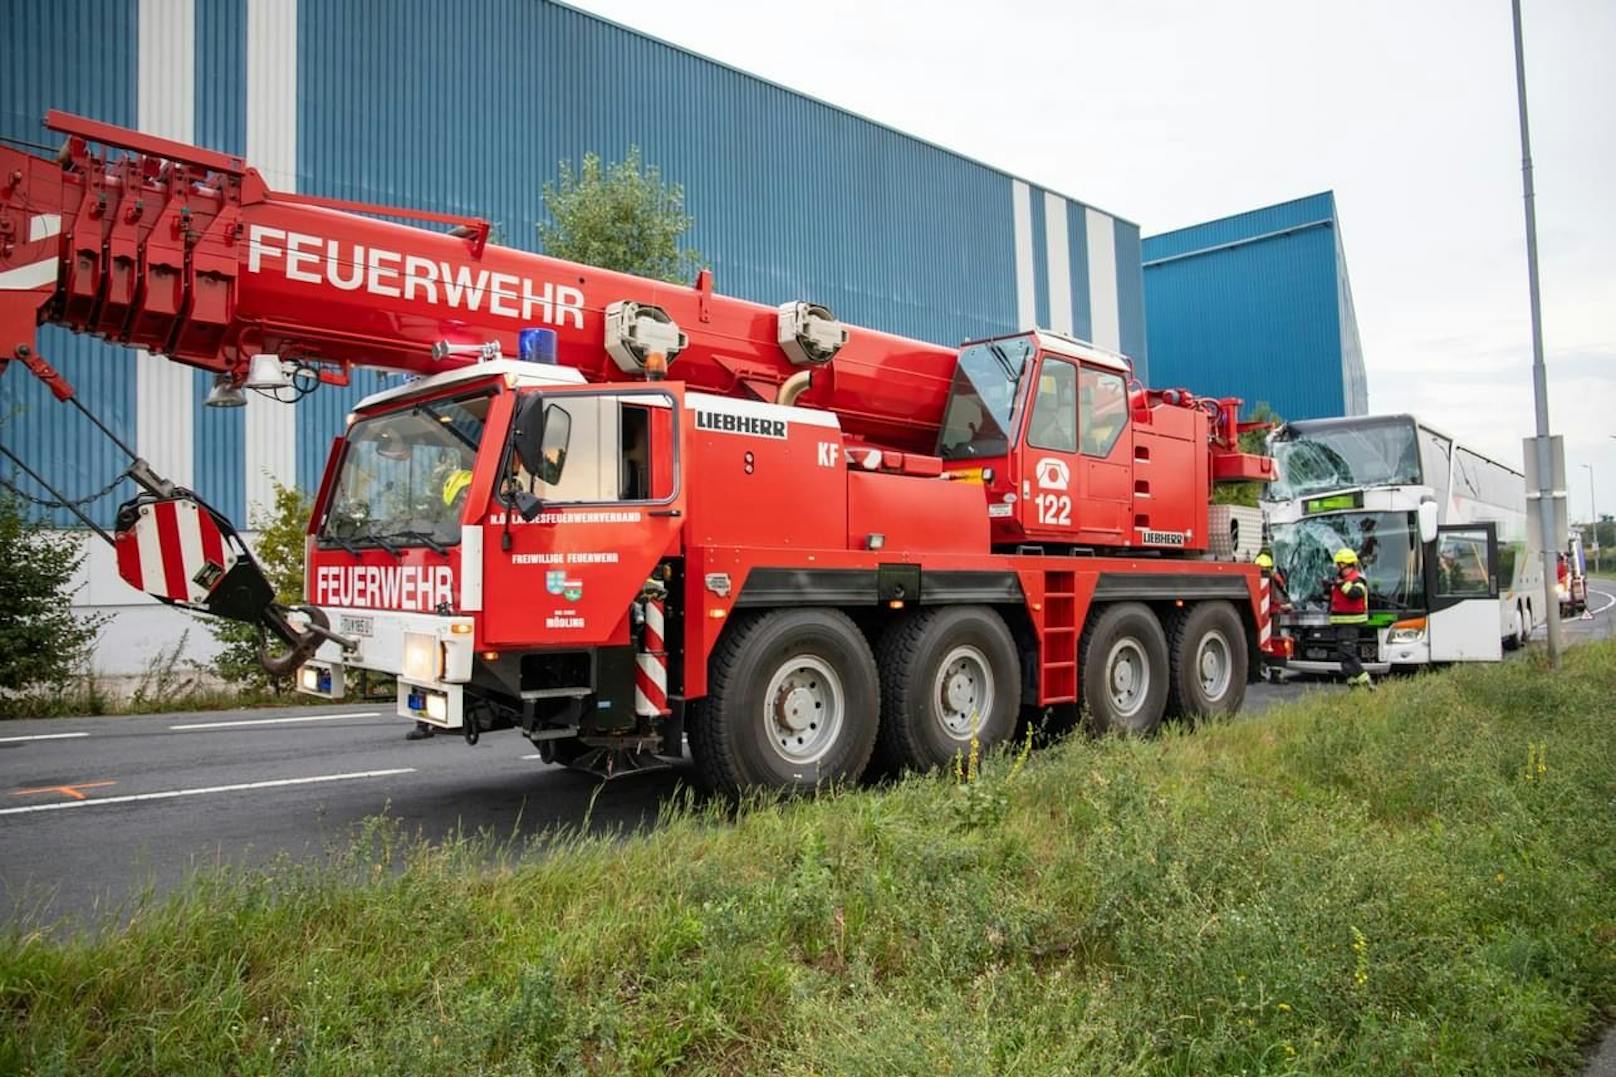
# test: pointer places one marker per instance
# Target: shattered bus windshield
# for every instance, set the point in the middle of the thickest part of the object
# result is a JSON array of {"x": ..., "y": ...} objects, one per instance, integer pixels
[
  {"x": 1388, "y": 549},
  {"x": 982, "y": 399},
  {"x": 1316, "y": 458}
]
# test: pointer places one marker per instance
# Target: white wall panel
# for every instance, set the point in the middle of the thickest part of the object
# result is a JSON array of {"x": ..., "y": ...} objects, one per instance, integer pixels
[
  {"x": 165, "y": 88},
  {"x": 1059, "y": 250},
  {"x": 271, "y": 434},
  {"x": 1107, "y": 330},
  {"x": 1026, "y": 281}
]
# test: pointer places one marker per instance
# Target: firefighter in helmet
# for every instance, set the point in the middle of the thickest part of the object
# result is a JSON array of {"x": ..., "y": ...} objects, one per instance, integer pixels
[
  {"x": 1280, "y": 600},
  {"x": 1276, "y": 581},
  {"x": 1349, "y": 608}
]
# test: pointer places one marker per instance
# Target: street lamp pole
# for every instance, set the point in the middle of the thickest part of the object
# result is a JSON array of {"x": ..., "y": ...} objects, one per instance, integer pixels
[
  {"x": 1540, "y": 376},
  {"x": 1593, "y": 512}
]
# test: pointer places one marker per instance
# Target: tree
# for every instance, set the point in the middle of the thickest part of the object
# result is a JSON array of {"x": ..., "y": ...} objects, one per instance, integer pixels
[
  {"x": 43, "y": 643},
  {"x": 280, "y": 553},
  {"x": 621, "y": 216},
  {"x": 1255, "y": 441}
]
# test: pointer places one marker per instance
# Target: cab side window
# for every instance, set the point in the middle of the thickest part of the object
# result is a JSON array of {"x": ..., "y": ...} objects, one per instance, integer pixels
[
  {"x": 1103, "y": 410},
  {"x": 1054, "y": 412}
]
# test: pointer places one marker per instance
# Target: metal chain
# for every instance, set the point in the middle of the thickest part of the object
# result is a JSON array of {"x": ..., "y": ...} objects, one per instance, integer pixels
[{"x": 51, "y": 503}]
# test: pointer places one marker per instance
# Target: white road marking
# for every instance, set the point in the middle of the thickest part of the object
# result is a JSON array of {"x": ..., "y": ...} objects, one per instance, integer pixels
[
  {"x": 275, "y": 721},
  {"x": 170, "y": 794},
  {"x": 42, "y": 736},
  {"x": 535, "y": 755},
  {"x": 1607, "y": 605}
]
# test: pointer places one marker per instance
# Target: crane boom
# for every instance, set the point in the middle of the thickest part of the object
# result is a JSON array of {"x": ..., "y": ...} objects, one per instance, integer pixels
[{"x": 187, "y": 252}]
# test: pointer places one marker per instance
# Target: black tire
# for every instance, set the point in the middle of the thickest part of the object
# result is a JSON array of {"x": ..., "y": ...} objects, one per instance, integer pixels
[
  {"x": 936, "y": 657},
  {"x": 1206, "y": 624},
  {"x": 809, "y": 659},
  {"x": 1111, "y": 633},
  {"x": 1517, "y": 638}
]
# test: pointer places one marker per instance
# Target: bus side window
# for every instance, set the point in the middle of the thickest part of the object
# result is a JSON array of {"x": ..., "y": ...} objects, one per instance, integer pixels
[{"x": 1462, "y": 564}]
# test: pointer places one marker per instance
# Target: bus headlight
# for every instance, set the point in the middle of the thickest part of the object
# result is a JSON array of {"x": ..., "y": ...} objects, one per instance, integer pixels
[
  {"x": 423, "y": 657},
  {"x": 1411, "y": 631}
]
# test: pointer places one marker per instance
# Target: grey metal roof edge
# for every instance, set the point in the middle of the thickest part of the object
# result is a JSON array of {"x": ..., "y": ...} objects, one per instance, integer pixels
[
  {"x": 1328, "y": 191},
  {"x": 838, "y": 108}
]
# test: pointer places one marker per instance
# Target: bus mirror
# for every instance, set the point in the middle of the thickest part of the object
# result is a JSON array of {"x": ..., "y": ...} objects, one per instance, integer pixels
[{"x": 1428, "y": 521}]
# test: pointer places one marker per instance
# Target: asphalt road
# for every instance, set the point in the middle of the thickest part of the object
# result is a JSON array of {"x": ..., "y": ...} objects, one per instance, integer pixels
[{"x": 92, "y": 810}]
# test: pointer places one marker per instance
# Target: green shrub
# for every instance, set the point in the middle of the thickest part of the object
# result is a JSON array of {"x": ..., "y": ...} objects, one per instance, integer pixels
[
  {"x": 621, "y": 216},
  {"x": 280, "y": 551},
  {"x": 43, "y": 643}
]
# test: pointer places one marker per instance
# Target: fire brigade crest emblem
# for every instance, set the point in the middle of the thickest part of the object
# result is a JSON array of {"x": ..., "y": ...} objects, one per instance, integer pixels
[{"x": 555, "y": 580}]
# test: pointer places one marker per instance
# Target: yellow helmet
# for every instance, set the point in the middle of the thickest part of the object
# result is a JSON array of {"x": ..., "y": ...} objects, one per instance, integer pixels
[
  {"x": 457, "y": 481},
  {"x": 1264, "y": 561},
  {"x": 1344, "y": 556}
]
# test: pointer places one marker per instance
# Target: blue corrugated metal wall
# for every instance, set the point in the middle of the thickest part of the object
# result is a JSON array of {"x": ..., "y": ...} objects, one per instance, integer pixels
[
  {"x": 1252, "y": 306},
  {"x": 1131, "y": 300},
  {"x": 79, "y": 57},
  {"x": 467, "y": 108}
]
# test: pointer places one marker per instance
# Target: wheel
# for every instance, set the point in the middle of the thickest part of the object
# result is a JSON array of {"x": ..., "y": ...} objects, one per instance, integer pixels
[
  {"x": 1123, "y": 663},
  {"x": 1206, "y": 648},
  {"x": 1517, "y": 638},
  {"x": 792, "y": 703},
  {"x": 947, "y": 673},
  {"x": 564, "y": 751}
]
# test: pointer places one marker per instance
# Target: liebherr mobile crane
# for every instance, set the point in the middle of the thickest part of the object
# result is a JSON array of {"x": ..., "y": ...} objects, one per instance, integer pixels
[{"x": 613, "y": 513}]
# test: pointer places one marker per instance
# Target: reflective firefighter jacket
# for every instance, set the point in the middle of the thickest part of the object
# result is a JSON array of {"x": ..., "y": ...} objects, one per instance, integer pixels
[{"x": 1349, "y": 599}]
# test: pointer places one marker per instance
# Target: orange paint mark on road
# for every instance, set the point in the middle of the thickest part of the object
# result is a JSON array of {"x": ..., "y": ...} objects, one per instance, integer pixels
[{"x": 70, "y": 791}]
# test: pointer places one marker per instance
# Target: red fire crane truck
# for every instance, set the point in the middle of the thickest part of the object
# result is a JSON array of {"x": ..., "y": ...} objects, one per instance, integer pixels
[{"x": 612, "y": 512}]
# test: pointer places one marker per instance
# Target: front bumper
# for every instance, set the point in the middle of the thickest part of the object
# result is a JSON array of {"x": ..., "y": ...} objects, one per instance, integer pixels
[
  {"x": 1315, "y": 649},
  {"x": 430, "y": 655}
]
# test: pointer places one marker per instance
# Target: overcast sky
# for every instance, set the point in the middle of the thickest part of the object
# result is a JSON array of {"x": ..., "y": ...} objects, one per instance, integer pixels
[{"x": 1169, "y": 112}]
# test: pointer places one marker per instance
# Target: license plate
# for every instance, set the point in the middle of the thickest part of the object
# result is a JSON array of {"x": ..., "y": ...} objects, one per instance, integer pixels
[{"x": 349, "y": 625}]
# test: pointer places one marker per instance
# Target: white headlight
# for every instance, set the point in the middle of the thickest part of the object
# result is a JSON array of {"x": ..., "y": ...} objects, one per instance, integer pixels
[
  {"x": 423, "y": 657},
  {"x": 437, "y": 707}
]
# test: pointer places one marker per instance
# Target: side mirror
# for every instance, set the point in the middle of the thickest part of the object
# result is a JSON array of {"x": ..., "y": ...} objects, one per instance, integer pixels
[
  {"x": 540, "y": 436},
  {"x": 1428, "y": 521}
]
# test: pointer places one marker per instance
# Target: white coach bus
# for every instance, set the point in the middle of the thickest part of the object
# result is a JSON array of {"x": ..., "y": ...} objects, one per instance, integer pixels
[{"x": 1440, "y": 533}]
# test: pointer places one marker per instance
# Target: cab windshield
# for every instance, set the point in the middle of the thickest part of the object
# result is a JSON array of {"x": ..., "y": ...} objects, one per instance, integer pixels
[
  {"x": 405, "y": 475},
  {"x": 982, "y": 399},
  {"x": 1388, "y": 549},
  {"x": 1318, "y": 458}
]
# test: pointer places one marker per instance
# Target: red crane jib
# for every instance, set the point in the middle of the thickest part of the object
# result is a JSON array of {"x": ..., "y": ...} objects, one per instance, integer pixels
[{"x": 183, "y": 251}]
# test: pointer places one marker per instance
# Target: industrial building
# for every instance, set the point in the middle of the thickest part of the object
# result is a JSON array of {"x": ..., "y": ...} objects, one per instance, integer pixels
[
  {"x": 1258, "y": 306},
  {"x": 467, "y": 108}
]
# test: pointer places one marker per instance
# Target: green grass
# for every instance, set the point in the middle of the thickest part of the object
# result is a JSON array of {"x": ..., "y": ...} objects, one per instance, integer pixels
[{"x": 1423, "y": 880}]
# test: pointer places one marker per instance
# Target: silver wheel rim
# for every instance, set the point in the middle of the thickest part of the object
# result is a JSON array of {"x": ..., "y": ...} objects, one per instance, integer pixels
[
  {"x": 963, "y": 692},
  {"x": 1127, "y": 677},
  {"x": 1212, "y": 665},
  {"x": 803, "y": 709}
]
